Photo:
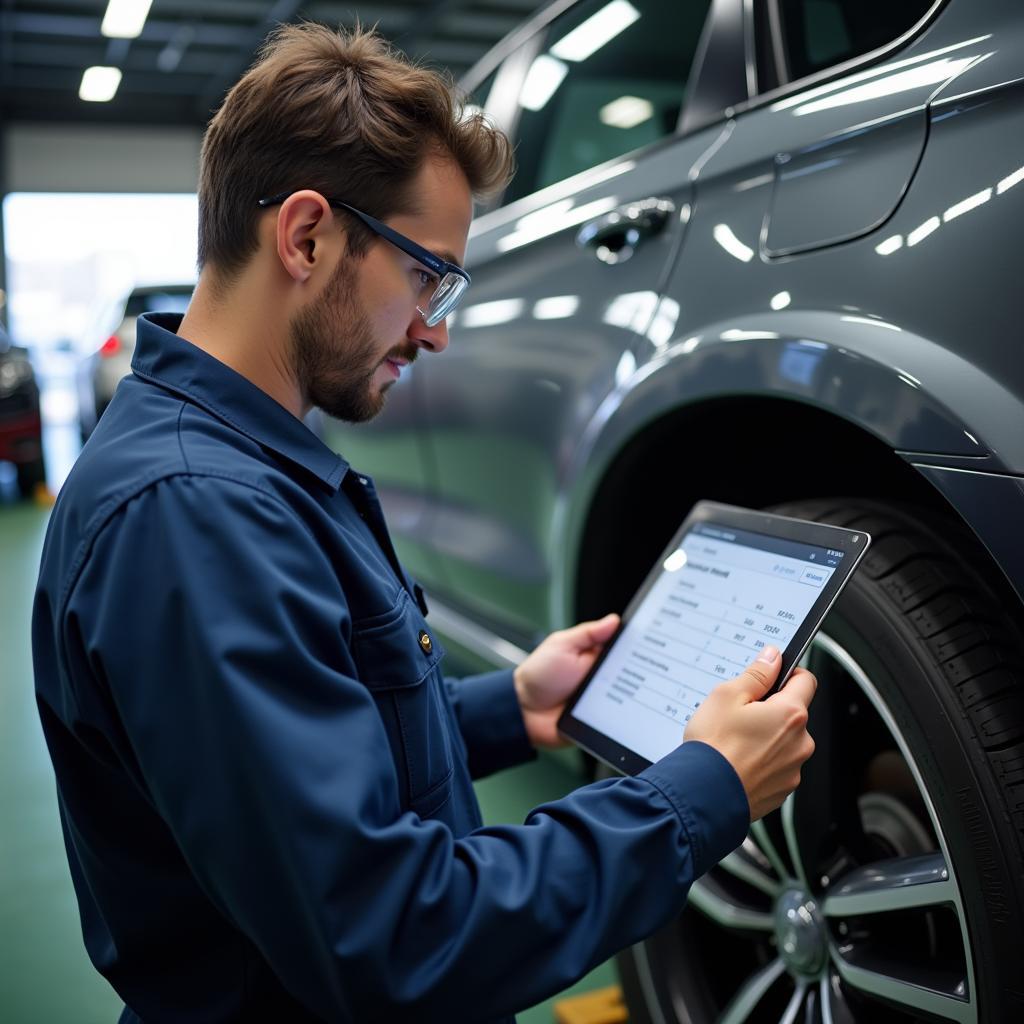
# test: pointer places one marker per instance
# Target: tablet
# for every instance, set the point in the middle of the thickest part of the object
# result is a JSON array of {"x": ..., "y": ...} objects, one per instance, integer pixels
[{"x": 732, "y": 581}]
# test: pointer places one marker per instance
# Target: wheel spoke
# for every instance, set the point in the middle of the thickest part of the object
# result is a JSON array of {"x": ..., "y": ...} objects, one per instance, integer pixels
[
  {"x": 793, "y": 1008},
  {"x": 898, "y": 884},
  {"x": 745, "y": 1001},
  {"x": 923, "y": 995},
  {"x": 820, "y": 818},
  {"x": 792, "y": 841},
  {"x": 834, "y": 1008},
  {"x": 711, "y": 899},
  {"x": 742, "y": 864},
  {"x": 759, "y": 831}
]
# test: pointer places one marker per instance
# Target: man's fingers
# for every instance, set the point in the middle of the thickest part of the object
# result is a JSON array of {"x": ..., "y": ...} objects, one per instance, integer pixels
[
  {"x": 759, "y": 676},
  {"x": 801, "y": 685}
]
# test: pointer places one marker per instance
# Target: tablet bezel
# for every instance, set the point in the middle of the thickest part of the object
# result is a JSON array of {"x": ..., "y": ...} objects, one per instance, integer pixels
[{"x": 853, "y": 544}]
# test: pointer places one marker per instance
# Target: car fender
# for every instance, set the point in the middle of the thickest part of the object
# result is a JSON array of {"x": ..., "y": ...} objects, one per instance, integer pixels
[{"x": 927, "y": 404}]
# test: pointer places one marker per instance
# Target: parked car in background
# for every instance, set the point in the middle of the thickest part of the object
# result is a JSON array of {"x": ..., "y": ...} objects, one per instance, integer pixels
[
  {"x": 764, "y": 252},
  {"x": 101, "y": 371},
  {"x": 21, "y": 440}
]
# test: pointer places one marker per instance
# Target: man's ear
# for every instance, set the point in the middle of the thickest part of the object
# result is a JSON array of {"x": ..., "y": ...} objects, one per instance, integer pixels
[{"x": 306, "y": 234}]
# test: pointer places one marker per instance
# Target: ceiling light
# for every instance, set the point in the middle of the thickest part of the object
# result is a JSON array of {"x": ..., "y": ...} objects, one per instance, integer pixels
[
  {"x": 124, "y": 18},
  {"x": 597, "y": 30},
  {"x": 627, "y": 112},
  {"x": 99, "y": 84},
  {"x": 543, "y": 78}
]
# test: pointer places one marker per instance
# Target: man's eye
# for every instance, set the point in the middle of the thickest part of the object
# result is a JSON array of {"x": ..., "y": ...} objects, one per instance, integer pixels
[{"x": 426, "y": 278}]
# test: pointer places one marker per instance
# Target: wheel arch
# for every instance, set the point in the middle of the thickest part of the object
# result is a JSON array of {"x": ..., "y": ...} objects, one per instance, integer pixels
[
  {"x": 868, "y": 406},
  {"x": 726, "y": 448}
]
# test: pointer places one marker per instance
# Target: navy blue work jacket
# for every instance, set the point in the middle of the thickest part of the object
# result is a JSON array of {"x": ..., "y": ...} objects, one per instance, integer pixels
[{"x": 263, "y": 775}]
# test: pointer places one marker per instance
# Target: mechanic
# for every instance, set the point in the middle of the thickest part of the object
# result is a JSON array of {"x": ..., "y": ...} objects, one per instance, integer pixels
[{"x": 263, "y": 775}]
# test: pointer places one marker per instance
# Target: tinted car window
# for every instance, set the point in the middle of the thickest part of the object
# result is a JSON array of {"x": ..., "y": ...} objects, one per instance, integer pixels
[
  {"x": 821, "y": 33},
  {"x": 610, "y": 78}
]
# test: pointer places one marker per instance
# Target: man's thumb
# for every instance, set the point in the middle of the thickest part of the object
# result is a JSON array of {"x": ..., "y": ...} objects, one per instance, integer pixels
[
  {"x": 598, "y": 631},
  {"x": 757, "y": 678}
]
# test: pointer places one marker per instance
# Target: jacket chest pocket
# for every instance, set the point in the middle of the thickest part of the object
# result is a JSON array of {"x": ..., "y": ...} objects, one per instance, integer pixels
[{"x": 397, "y": 658}]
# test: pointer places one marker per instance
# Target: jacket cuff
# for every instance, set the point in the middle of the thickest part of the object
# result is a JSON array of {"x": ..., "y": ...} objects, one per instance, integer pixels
[
  {"x": 492, "y": 723},
  {"x": 709, "y": 798}
]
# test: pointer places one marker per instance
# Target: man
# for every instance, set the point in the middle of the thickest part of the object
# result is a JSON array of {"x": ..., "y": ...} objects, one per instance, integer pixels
[{"x": 264, "y": 777}]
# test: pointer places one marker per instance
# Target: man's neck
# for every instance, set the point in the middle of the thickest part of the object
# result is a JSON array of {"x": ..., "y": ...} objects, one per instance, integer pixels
[{"x": 242, "y": 329}]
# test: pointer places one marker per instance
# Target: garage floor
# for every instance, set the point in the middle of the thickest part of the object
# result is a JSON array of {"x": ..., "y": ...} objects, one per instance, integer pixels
[{"x": 45, "y": 976}]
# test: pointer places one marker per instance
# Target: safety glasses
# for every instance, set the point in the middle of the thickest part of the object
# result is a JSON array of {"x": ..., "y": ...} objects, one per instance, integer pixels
[{"x": 451, "y": 280}]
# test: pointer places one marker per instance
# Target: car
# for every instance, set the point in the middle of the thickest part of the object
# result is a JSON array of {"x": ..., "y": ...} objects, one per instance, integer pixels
[
  {"x": 763, "y": 252},
  {"x": 103, "y": 369},
  {"x": 21, "y": 440}
]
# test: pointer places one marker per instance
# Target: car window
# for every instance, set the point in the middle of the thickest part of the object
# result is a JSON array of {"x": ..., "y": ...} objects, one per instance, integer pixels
[
  {"x": 818, "y": 34},
  {"x": 611, "y": 77}
]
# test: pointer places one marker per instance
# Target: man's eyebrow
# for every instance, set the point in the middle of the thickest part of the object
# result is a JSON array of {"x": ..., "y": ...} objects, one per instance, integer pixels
[{"x": 449, "y": 257}]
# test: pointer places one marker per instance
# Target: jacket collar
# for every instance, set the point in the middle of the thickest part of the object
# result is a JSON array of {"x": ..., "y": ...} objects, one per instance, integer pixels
[{"x": 173, "y": 363}]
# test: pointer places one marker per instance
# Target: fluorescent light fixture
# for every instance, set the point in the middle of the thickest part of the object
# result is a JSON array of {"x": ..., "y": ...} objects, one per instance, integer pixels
[
  {"x": 99, "y": 84},
  {"x": 485, "y": 314},
  {"x": 1010, "y": 180},
  {"x": 556, "y": 307},
  {"x": 124, "y": 18},
  {"x": 598, "y": 29},
  {"x": 542, "y": 81},
  {"x": 626, "y": 112},
  {"x": 890, "y": 245},
  {"x": 780, "y": 300},
  {"x": 724, "y": 236},
  {"x": 919, "y": 234},
  {"x": 970, "y": 203}
]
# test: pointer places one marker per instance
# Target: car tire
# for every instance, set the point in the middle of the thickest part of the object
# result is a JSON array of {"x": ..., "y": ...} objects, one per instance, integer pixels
[
  {"x": 30, "y": 476},
  {"x": 890, "y": 886}
]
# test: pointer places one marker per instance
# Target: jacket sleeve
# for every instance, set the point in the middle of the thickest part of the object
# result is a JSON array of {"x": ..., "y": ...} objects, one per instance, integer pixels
[
  {"x": 219, "y": 628},
  {"x": 490, "y": 722}
]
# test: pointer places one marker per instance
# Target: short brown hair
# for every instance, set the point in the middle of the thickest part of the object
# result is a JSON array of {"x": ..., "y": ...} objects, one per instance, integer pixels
[{"x": 344, "y": 114}]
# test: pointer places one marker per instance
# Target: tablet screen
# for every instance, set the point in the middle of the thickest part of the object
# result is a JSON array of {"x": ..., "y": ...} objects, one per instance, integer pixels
[{"x": 723, "y": 595}]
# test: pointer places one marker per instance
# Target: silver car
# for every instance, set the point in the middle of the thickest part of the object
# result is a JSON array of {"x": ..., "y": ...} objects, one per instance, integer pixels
[
  {"x": 764, "y": 252},
  {"x": 102, "y": 370}
]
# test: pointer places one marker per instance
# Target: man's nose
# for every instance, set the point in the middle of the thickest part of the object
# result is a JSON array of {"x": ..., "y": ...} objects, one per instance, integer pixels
[{"x": 433, "y": 339}]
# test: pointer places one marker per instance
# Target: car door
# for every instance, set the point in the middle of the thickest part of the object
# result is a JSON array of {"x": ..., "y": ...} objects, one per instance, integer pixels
[{"x": 566, "y": 293}]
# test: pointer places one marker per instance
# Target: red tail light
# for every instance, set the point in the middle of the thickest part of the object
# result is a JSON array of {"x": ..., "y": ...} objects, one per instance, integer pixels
[{"x": 110, "y": 347}]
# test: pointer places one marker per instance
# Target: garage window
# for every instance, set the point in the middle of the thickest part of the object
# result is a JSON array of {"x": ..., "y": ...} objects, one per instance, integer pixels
[{"x": 610, "y": 78}]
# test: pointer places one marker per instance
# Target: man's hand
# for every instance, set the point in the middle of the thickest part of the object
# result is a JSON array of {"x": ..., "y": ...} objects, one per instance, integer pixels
[
  {"x": 766, "y": 741},
  {"x": 552, "y": 672}
]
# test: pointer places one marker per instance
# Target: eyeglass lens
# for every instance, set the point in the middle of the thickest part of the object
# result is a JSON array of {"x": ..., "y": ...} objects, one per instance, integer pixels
[{"x": 446, "y": 296}]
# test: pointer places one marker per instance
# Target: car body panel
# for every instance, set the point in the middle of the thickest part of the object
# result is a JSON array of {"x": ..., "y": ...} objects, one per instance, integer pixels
[
  {"x": 505, "y": 402},
  {"x": 847, "y": 244}
]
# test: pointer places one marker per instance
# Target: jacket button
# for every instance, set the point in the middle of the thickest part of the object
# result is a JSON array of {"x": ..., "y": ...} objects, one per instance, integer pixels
[{"x": 425, "y": 642}]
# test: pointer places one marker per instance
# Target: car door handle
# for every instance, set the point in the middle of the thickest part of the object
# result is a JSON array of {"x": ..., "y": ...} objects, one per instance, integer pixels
[{"x": 615, "y": 236}]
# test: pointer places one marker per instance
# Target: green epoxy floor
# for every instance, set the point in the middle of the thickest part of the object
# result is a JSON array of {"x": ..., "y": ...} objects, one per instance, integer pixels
[{"x": 45, "y": 976}]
